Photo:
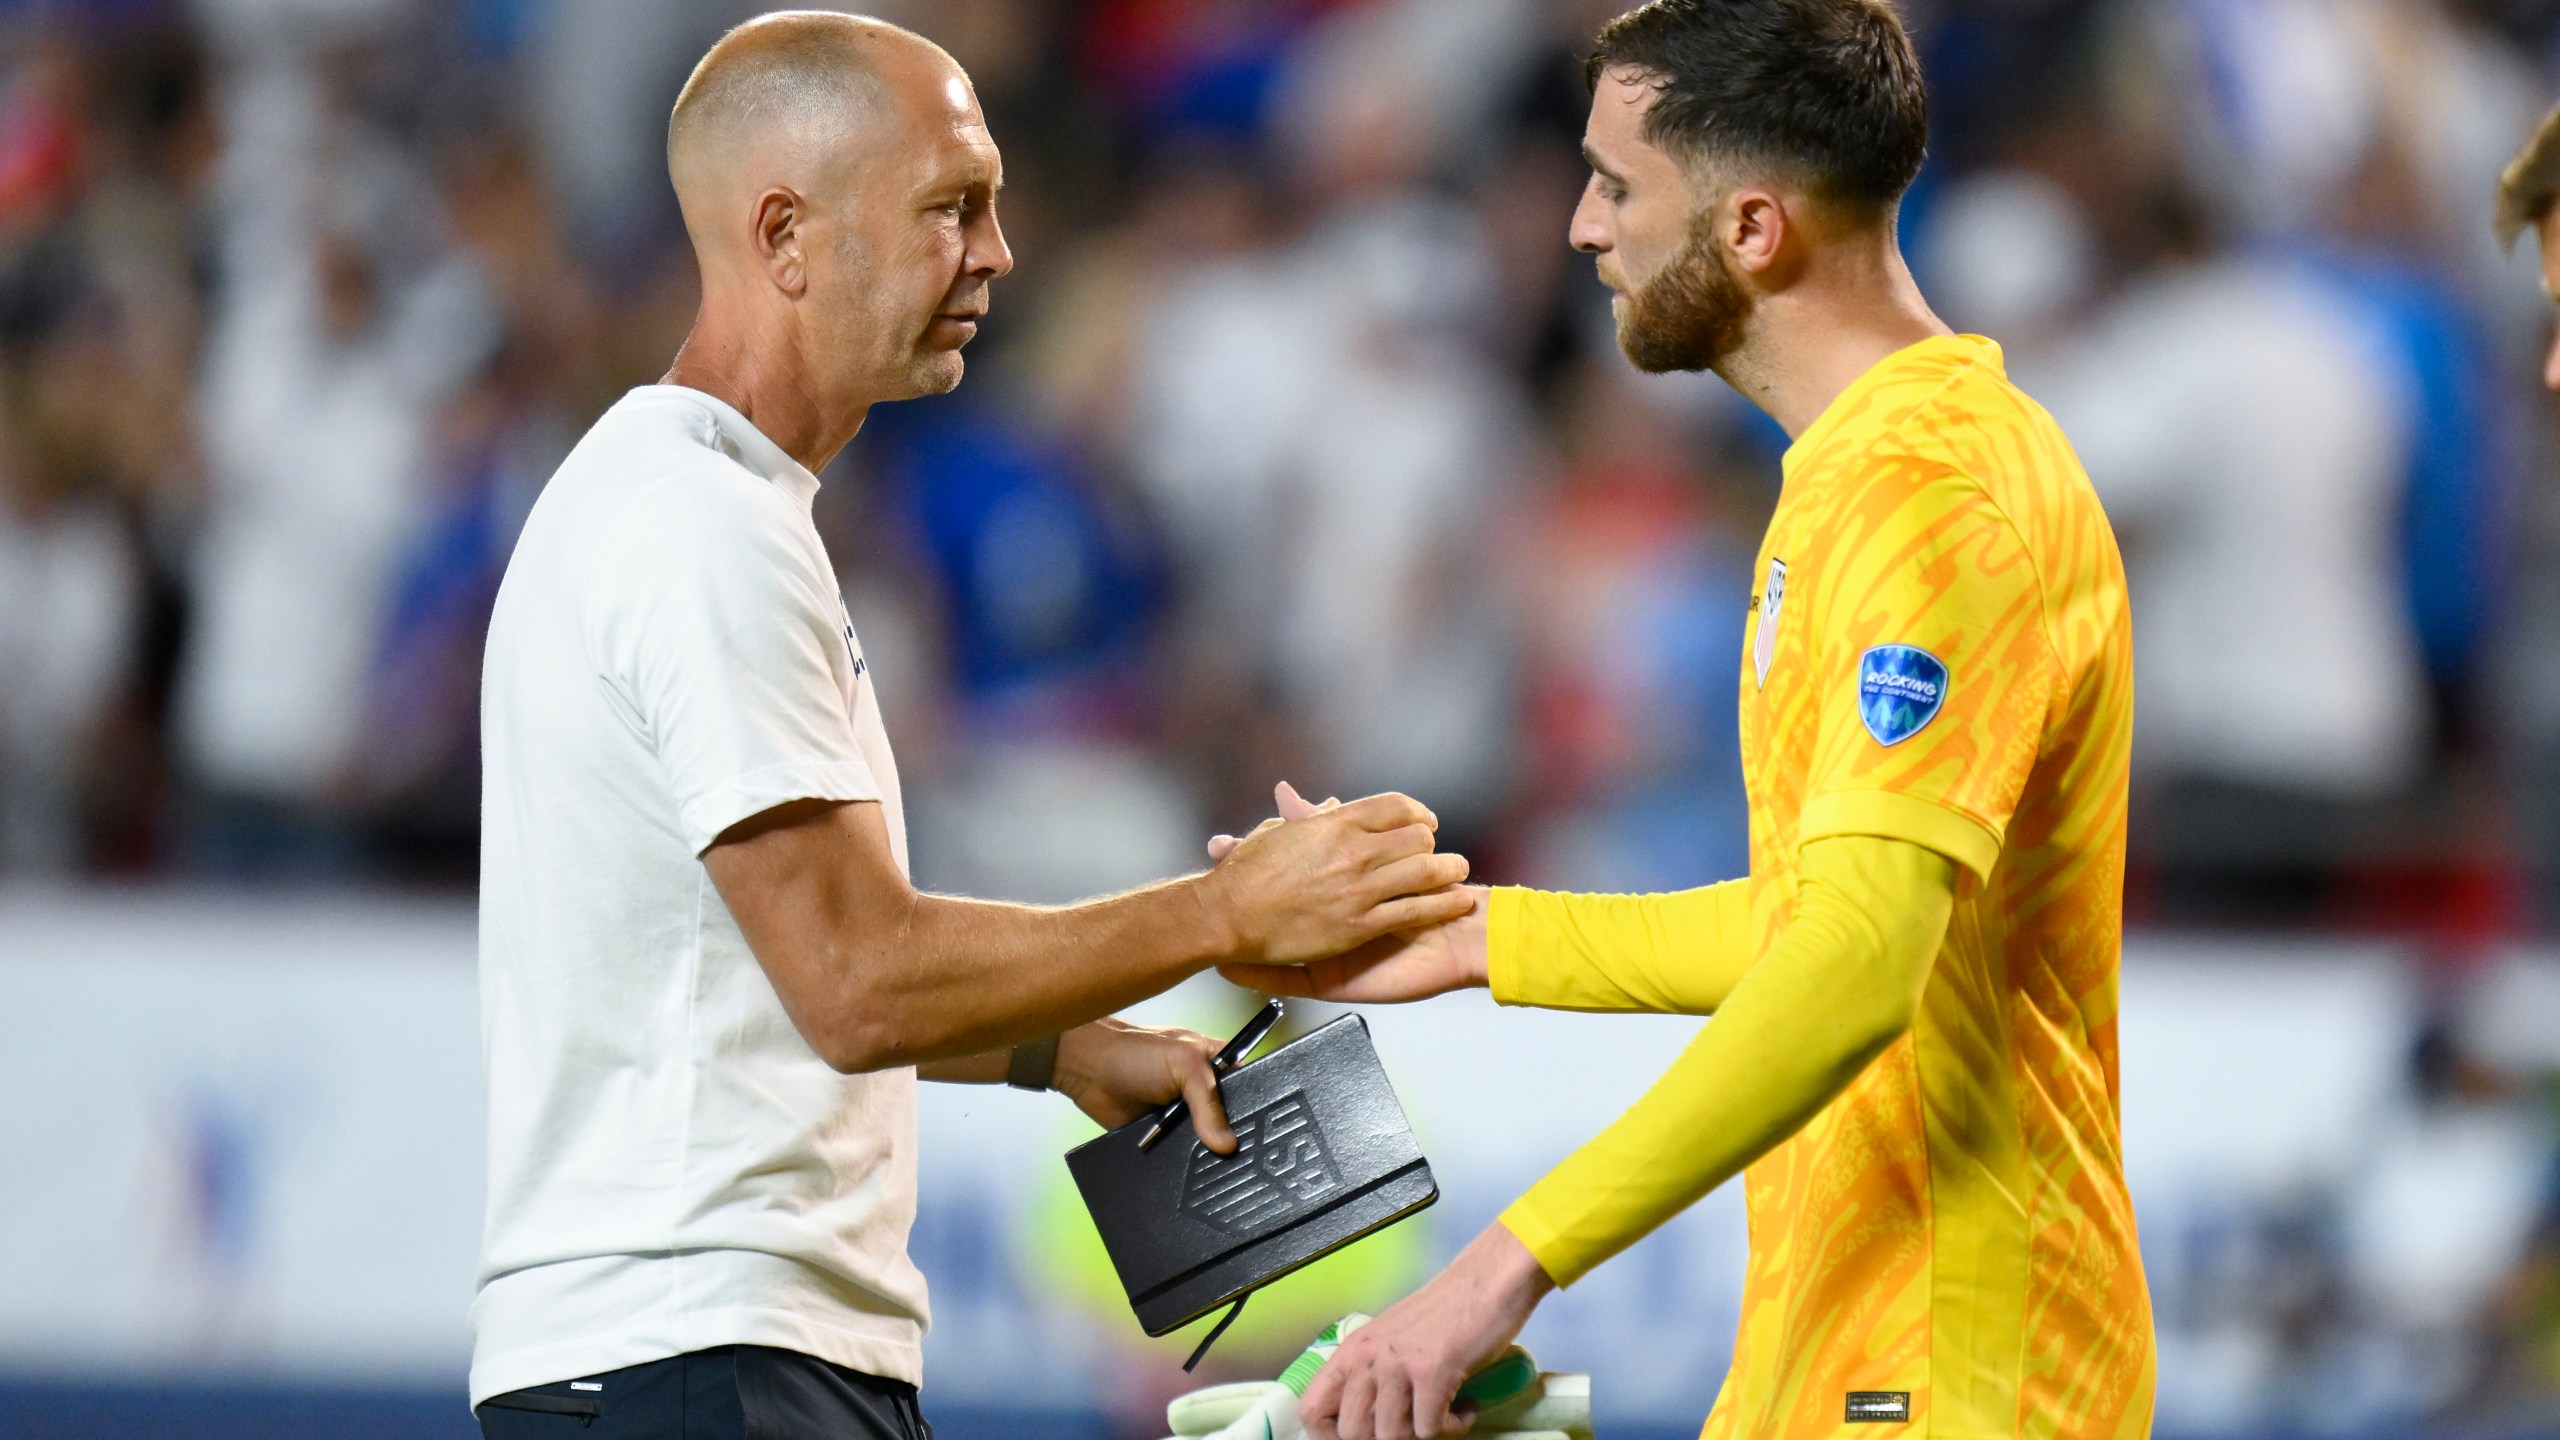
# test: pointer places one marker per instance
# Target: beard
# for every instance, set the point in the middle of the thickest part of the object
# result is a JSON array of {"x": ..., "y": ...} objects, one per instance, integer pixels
[{"x": 1691, "y": 314}]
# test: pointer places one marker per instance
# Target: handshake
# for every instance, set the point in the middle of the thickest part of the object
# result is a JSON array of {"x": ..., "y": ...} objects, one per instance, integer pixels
[{"x": 1349, "y": 903}]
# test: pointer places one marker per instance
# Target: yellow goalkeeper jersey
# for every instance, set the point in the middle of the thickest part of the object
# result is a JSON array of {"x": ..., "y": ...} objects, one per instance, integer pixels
[{"x": 1939, "y": 653}]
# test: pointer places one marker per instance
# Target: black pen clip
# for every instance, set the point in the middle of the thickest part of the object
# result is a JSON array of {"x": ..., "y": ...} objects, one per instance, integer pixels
[{"x": 1227, "y": 1059}]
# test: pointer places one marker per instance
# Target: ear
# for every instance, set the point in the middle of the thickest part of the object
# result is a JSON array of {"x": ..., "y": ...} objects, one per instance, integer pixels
[
  {"x": 775, "y": 237},
  {"x": 1755, "y": 225}
]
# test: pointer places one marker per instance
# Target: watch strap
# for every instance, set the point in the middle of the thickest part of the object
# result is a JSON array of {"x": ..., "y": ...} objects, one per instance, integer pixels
[{"x": 1034, "y": 1066}]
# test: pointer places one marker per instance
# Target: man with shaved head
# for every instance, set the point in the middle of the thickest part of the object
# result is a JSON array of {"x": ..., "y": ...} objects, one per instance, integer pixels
[{"x": 707, "y": 986}]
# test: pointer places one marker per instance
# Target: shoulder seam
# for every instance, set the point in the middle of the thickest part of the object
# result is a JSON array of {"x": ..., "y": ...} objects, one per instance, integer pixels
[
  {"x": 2035, "y": 562},
  {"x": 717, "y": 463},
  {"x": 2044, "y": 588}
]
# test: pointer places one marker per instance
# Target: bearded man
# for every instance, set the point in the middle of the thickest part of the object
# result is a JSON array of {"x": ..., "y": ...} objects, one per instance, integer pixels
[{"x": 1914, "y": 1049}]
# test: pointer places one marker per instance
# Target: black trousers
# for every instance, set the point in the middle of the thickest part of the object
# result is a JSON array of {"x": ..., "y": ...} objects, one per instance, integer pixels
[{"x": 736, "y": 1392}]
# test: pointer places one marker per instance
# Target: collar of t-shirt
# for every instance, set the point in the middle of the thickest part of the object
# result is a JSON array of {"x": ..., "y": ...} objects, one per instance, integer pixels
[{"x": 739, "y": 438}]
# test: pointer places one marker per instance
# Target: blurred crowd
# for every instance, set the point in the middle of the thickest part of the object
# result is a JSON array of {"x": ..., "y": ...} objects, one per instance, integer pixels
[{"x": 1297, "y": 446}]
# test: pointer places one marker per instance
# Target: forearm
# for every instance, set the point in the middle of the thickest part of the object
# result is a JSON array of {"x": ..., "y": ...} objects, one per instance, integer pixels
[
  {"x": 875, "y": 974},
  {"x": 956, "y": 978},
  {"x": 1680, "y": 953},
  {"x": 987, "y": 1067},
  {"x": 1840, "y": 986}
]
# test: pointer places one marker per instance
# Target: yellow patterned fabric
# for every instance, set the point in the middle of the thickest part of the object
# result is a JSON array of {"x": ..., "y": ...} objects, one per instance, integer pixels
[
  {"x": 1796, "y": 1025},
  {"x": 1940, "y": 654},
  {"x": 1677, "y": 954}
]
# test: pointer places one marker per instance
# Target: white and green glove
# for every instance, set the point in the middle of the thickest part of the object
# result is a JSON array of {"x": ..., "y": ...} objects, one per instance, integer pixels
[{"x": 1510, "y": 1397}]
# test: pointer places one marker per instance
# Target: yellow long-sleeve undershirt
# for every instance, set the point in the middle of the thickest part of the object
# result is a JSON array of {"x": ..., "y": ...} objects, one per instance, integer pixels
[{"x": 1793, "y": 1027}]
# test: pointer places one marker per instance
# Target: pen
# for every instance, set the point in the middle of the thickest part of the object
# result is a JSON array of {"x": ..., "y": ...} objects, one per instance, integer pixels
[{"x": 1227, "y": 1059}]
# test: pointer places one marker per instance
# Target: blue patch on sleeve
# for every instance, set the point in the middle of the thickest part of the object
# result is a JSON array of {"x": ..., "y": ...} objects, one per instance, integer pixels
[{"x": 1900, "y": 689}]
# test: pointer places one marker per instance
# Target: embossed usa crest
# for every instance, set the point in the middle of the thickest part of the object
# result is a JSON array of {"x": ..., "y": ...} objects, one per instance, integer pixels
[
  {"x": 1900, "y": 690},
  {"x": 1279, "y": 1170}
]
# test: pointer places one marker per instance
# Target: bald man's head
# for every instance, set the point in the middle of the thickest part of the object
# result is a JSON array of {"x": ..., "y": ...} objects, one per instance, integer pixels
[
  {"x": 839, "y": 184},
  {"x": 787, "y": 86}
]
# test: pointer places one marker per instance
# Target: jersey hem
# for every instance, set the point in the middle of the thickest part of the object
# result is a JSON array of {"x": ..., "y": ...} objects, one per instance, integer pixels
[
  {"x": 1896, "y": 816},
  {"x": 657, "y": 1338},
  {"x": 1502, "y": 945}
]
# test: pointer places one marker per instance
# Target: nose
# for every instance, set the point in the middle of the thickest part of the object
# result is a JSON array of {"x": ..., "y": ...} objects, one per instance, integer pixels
[
  {"x": 989, "y": 256},
  {"x": 2551, "y": 366},
  {"x": 1588, "y": 231}
]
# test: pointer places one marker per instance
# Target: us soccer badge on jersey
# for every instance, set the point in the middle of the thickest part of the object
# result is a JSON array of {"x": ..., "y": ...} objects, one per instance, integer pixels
[
  {"x": 1900, "y": 690},
  {"x": 1764, "y": 641}
]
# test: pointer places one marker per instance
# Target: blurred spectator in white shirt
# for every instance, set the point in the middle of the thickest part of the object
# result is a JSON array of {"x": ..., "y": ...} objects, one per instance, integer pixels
[
  {"x": 2243, "y": 426},
  {"x": 2248, "y": 427},
  {"x": 1332, "y": 452},
  {"x": 331, "y": 352},
  {"x": 67, "y": 613}
]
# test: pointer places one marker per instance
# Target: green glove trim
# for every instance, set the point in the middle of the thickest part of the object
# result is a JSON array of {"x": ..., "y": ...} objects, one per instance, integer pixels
[{"x": 1508, "y": 1377}]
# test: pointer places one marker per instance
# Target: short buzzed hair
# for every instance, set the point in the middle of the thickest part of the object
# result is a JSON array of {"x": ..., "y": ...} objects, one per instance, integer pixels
[
  {"x": 789, "y": 65},
  {"x": 2531, "y": 184},
  {"x": 1827, "y": 90}
]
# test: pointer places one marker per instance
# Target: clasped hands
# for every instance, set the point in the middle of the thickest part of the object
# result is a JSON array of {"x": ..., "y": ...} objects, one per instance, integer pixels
[
  {"x": 1349, "y": 903},
  {"x": 1432, "y": 956},
  {"x": 1331, "y": 885}
]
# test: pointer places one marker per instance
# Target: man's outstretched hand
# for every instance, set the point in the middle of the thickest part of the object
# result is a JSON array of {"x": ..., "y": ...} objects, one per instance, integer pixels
[
  {"x": 1396, "y": 1377},
  {"x": 1289, "y": 804},
  {"x": 1331, "y": 878},
  {"x": 1413, "y": 964},
  {"x": 1407, "y": 965}
]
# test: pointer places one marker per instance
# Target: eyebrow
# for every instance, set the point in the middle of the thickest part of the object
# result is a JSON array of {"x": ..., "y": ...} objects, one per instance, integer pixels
[{"x": 1592, "y": 158}]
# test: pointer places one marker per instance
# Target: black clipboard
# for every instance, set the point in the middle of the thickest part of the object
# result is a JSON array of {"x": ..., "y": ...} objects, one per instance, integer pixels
[{"x": 1324, "y": 1157}]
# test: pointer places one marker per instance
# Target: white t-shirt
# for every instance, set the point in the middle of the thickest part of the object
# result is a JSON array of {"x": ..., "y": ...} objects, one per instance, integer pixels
[
  {"x": 2241, "y": 422},
  {"x": 671, "y": 1167}
]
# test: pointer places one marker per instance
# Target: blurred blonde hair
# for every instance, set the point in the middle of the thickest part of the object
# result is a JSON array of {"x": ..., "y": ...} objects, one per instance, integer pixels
[{"x": 2531, "y": 184}]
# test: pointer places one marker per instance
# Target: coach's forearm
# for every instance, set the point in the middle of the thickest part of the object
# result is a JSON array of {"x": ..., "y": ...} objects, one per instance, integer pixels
[
  {"x": 986, "y": 1067},
  {"x": 954, "y": 977},
  {"x": 875, "y": 974},
  {"x": 1842, "y": 983}
]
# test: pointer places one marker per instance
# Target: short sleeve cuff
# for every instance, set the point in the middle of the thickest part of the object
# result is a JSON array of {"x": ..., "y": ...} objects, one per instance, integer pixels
[
  {"x": 1951, "y": 833},
  {"x": 1502, "y": 944},
  {"x": 710, "y": 813}
]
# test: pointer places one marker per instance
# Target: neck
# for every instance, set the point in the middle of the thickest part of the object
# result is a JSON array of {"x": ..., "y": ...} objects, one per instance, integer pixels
[
  {"x": 759, "y": 371},
  {"x": 1852, "y": 306}
]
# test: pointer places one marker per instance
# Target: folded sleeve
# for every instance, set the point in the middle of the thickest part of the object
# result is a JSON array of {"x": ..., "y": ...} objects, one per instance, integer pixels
[
  {"x": 1678, "y": 953},
  {"x": 1936, "y": 674},
  {"x": 723, "y": 633},
  {"x": 1840, "y": 984}
]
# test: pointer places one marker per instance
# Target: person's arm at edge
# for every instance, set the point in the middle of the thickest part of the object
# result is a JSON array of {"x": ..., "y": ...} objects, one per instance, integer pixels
[{"x": 875, "y": 973}]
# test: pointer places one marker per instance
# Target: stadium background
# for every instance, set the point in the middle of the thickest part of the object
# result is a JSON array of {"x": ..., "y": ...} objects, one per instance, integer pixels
[{"x": 1295, "y": 447}]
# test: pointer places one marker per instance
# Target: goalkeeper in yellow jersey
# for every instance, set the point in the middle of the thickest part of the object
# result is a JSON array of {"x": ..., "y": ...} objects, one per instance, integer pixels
[{"x": 1913, "y": 1060}]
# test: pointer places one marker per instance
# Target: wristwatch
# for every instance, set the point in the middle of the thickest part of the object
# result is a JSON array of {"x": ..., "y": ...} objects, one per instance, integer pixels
[{"x": 1033, "y": 1065}]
